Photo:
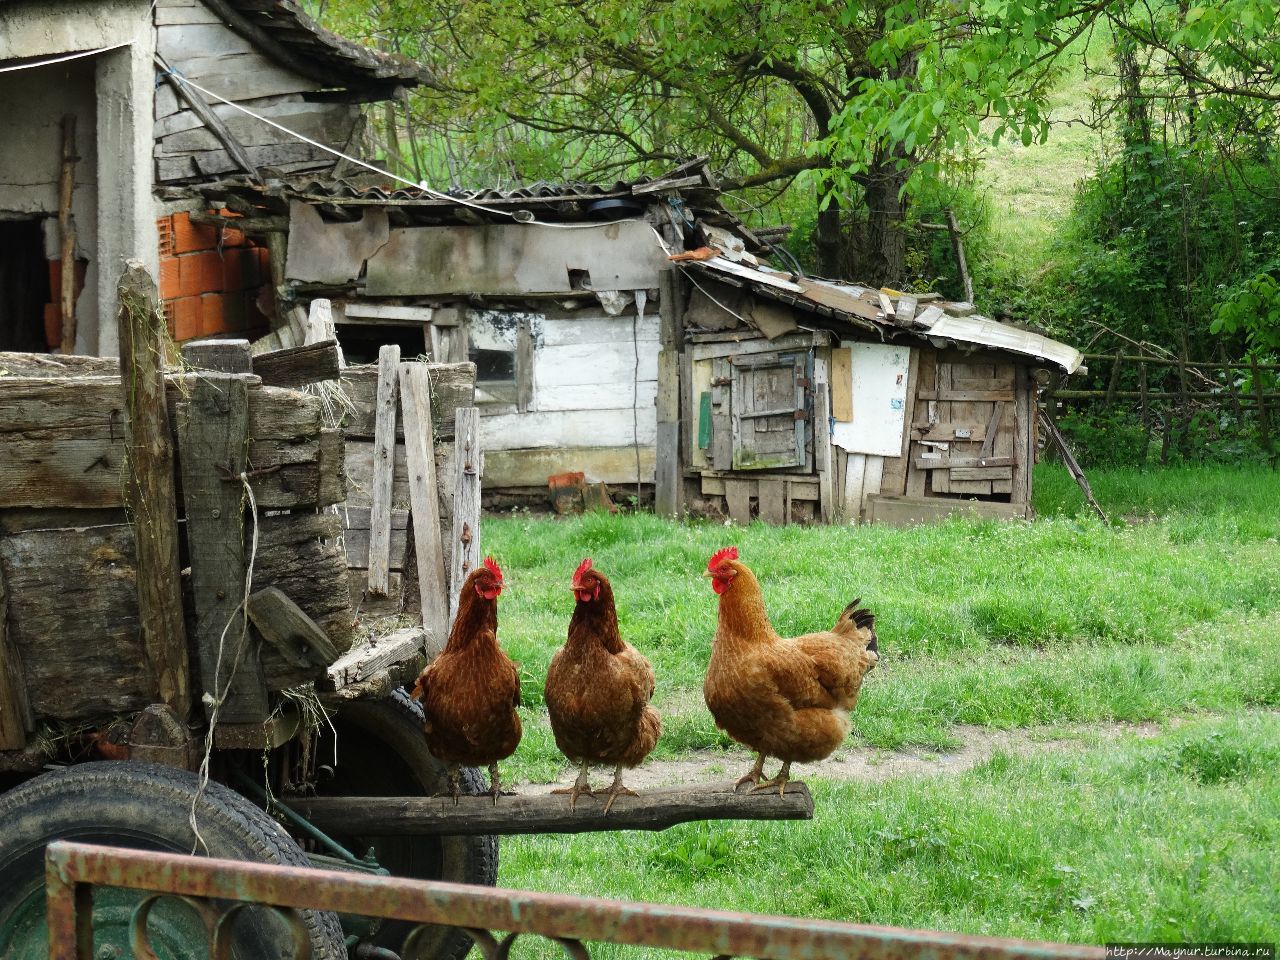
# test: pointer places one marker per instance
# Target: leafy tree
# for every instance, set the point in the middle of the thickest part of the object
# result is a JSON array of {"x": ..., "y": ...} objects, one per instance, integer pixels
[{"x": 857, "y": 103}]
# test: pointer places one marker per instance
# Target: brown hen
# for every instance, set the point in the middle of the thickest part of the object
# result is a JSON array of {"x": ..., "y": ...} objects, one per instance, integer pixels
[
  {"x": 470, "y": 692},
  {"x": 598, "y": 691},
  {"x": 783, "y": 697}
]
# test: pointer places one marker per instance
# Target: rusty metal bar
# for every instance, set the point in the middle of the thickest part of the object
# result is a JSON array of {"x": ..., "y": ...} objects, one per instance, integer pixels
[{"x": 562, "y": 918}]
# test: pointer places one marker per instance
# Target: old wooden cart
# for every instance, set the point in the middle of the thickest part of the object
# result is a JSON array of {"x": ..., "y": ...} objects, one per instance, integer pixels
[{"x": 183, "y": 666}]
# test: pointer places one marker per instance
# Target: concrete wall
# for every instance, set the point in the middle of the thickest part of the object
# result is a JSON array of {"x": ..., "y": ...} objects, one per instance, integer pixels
[{"x": 112, "y": 93}]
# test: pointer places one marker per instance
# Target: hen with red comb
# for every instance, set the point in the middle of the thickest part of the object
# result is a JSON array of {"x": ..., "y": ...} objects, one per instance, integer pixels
[
  {"x": 470, "y": 692},
  {"x": 784, "y": 697},
  {"x": 598, "y": 690}
]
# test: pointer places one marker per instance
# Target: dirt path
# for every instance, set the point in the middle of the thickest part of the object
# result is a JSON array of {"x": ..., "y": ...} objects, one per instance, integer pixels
[{"x": 873, "y": 764}]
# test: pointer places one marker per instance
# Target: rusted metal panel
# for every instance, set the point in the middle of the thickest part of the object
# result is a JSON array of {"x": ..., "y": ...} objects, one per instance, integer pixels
[
  {"x": 479, "y": 910},
  {"x": 516, "y": 259}
]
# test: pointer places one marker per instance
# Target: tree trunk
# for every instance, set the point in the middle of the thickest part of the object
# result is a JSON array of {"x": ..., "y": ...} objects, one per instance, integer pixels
[
  {"x": 829, "y": 241},
  {"x": 877, "y": 246}
]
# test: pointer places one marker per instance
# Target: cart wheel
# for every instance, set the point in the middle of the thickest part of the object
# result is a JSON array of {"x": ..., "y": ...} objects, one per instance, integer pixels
[
  {"x": 146, "y": 807},
  {"x": 382, "y": 753}
]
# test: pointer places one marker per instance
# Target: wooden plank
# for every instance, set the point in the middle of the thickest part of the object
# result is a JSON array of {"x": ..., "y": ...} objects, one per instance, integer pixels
[
  {"x": 545, "y": 813},
  {"x": 15, "y": 710},
  {"x": 296, "y": 638},
  {"x": 940, "y": 481},
  {"x": 792, "y": 342},
  {"x": 967, "y": 396},
  {"x": 926, "y": 378},
  {"x": 452, "y": 386},
  {"x": 824, "y": 462},
  {"x": 738, "y": 496},
  {"x": 894, "y": 477},
  {"x": 384, "y": 458},
  {"x": 300, "y": 554},
  {"x": 872, "y": 480},
  {"x": 802, "y": 488},
  {"x": 842, "y": 384},
  {"x": 299, "y": 366},
  {"x": 667, "y": 446},
  {"x": 236, "y": 155},
  {"x": 981, "y": 487},
  {"x": 213, "y": 427},
  {"x": 1024, "y": 439},
  {"x": 393, "y": 313},
  {"x": 854, "y": 476},
  {"x": 465, "y": 551},
  {"x": 982, "y": 473},
  {"x": 906, "y": 309},
  {"x": 907, "y": 511},
  {"x": 151, "y": 499},
  {"x": 524, "y": 365},
  {"x": 993, "y": 427},
  {"x": 415, "y": 396},
  {"x": 947, "y": 462},
  {"x": 355, "y": 539},
  {"x": 363, "y": 661},
  {"x": 771, "y": 495}
]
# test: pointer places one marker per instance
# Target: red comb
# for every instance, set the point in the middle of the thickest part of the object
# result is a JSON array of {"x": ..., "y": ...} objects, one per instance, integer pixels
[
  {"x": 720, "y": 556},
  {"x": 583, "y": 567},
  {"x": 492, "y": 566}
]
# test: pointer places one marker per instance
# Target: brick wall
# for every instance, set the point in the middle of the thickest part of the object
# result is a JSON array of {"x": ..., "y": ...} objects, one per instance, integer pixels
[{"x": 210, "y": 278}]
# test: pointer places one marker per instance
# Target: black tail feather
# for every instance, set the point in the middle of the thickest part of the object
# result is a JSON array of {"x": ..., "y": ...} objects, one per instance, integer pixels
[{"x": 863, "y": 619}]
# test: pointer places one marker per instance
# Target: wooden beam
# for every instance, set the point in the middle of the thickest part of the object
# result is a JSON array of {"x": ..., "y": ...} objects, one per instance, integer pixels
[
  {"x": 472, "y": 816},
  {"x": 360, "y": 663},
  {"x": 222, "y": 356},
  {"x": 213, "y": 123},
  {"x": 67, "y": 235},
  {"x": 299, "y": 366},
  {"x": 424, "y": 499},
  {"x": 212, "y": 436},
  {"x": 465, "y": 552},
  {"x": 384, "y": 455},
  {"x": 149, "y": 491},
  {"x": 15, "y": 709},
  {"x": 284, "y": 625}
]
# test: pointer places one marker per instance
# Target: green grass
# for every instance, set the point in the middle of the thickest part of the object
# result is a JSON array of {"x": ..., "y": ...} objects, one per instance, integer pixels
[
  {"x": 1169, "y": 839},
  {"x": 1169, "y": 612},
  {"x": 1066, "y": 619}
]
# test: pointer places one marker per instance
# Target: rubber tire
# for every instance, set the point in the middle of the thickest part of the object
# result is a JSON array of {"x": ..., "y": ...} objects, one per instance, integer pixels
[
  {"x": 147, "y": 806},
  {"x": 383, "y": 753}
]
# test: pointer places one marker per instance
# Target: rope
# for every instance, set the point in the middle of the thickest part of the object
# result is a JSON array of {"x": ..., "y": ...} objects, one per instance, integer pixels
[
  {"x": 215, "y": 700},
  {"x": 65, "y": 57}
]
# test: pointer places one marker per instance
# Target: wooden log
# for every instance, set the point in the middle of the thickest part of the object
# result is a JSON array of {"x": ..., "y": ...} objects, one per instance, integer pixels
[
  {"x": 17, "y": 364},
  {"x": 465, "y": 551},
  {"x": 384, "y": 456},
  {"x": 298, "y": 366},
  {"x": 15, "y": 710},
  {"x": 213, "y": 428},
  {"x": 150, "y": 496},
  {"x": 67, "y": 235},
  {"x": 415, "y": 393},
  {"x": 472, "y": 816}
]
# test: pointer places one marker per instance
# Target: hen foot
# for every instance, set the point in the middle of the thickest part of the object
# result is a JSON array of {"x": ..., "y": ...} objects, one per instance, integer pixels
[
  {"x": 495, "y": 784},
  {"x": 752, "y": 777},
  {"x": 780, "y": 781},
  {"x": 618, "y": 790},
  {"x": 580, "y": 788}
]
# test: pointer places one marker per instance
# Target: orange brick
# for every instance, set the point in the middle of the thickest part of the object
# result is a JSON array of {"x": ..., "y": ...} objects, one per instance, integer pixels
[
  {"x": 170, "y": 280},
  {"x": 191, "y": 275},
  {"x": 212, "y": 316},
  {"x": 232, "y": 270},
  {"x": 232, "y": 237},
  {"x": 164, "y": 231},
  {"x": 185, "y": 317},
  {"x": 211, "y": 271},
  {"x": 189, "y": 237}
]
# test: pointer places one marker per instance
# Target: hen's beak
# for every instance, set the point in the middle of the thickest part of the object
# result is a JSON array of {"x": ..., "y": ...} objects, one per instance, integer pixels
[{"x": 707, "y": 575}]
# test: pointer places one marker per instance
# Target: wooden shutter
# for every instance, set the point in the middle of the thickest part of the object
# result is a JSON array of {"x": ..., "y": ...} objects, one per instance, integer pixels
[{"x": 769, "y": 404}]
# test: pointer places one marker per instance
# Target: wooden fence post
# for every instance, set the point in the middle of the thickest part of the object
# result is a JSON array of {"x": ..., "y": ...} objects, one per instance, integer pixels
[
  {"x": 668, "y": 472},
  {"x": 149, "y": 493},
  {"x": 424, "y": 502},
  {"x": 67, "y": 232},
  {"x": 384, "y": 457},
  {"x": 468, "y": 465},
  {"x": 213, "y": 429}
]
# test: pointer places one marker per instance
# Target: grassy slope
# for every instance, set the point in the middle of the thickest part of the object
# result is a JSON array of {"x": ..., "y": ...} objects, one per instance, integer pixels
[{"x": 1062, "y": 620}]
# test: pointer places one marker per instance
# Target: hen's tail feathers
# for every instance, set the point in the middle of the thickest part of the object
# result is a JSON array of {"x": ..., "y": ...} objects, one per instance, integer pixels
[{"x": 854, "y": 619}]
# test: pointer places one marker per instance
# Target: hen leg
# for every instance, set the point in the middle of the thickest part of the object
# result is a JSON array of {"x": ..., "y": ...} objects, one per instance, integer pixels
[
  {"x": 618, "y": 789},
  {"x": 757, "y": 771},
  {"x": 780, "y": 781},
  {"x": 580, "y": 787},
  {"x": 455, "y": 784},
  {"x": 495, "y": 785}
]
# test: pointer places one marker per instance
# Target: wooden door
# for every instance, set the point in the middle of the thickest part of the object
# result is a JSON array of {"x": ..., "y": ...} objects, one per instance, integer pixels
[
  {"x": 965, "y": 442},
  {"x": 769, "y": 404}
]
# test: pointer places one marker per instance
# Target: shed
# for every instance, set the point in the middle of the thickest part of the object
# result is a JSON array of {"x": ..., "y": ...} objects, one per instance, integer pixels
[{"x": 636, "y": 332}]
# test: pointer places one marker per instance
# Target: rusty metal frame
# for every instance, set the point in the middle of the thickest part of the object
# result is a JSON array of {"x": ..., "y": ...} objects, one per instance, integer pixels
[{"x": 73, "y": 869}]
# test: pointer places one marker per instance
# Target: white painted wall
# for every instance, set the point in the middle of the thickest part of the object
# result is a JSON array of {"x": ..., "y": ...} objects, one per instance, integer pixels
[
  {"x": 588, "y": 391},
  {"x": 117, "y": 146}
]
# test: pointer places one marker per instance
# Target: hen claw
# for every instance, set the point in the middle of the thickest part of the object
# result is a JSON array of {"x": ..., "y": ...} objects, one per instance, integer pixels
[
  {"x": 574, "y": 793},
  {"x": 753, "y": 776},
  {"x": 616, "y": 791}
]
